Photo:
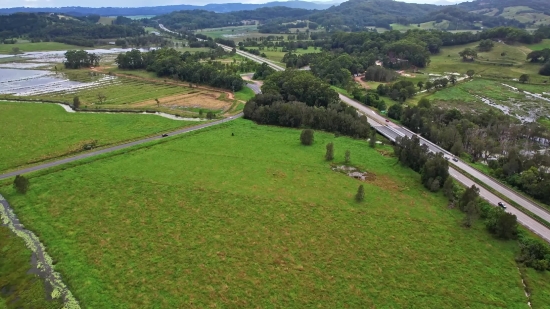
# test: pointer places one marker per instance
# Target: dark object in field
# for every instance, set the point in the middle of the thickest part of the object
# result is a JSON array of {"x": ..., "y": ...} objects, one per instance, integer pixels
[
  {"x": 164, "y": 135},
  {"x": 232, "y": 134}
]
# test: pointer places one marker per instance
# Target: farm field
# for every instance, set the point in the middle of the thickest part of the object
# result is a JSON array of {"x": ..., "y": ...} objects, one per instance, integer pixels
[
  {"x": 502, "y": 62},
  {"x": 21, "y": 289},
  {"x": 238, "y": 33},
  {"x": 257, "y": 220},
  {"x": 33, "y": 132},
  {"x": 33, "y": 47},
  {"x": 138, "y": 93}
]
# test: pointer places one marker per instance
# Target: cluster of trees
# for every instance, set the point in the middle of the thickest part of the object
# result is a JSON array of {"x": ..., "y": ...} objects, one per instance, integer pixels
[
  {"x": 298, "y": 99},
  {"x": 509, "y": 148},
  {"x": 295, "y": 85},
  {"x": 461, "y": 19},
  {"x": 399, "y": 91},
  {"x": 378, "y": 73},
  {"x": 433, "y": 167},
  {"x": 272, "y": 109},
  {"x": 76, "y": 59},
  {"x": 183, "y": 66},
  {"x": 541, "y": 56},
  {"x": 263, "y": 72}
]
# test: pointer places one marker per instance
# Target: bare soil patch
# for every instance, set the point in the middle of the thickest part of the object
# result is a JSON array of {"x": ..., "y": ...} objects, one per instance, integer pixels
[{"x": 201, "y": 99}]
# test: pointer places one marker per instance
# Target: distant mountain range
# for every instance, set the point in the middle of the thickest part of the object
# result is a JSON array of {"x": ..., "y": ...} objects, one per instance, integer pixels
[{"x": 159, "y": 10}]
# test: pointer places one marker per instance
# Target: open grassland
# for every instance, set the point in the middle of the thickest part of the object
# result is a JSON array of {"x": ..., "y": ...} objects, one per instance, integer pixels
[
  {"x": 425, "y": 26},
  {"x": 244, "y": 94},
  {"x": 540, "y": 46},
  {"x": 237, "y": 33},
  {"x": 33, "y": 132},
  {"x": 20, "y": 287},
  {"x": 503, "y": 62},
  {"x": 258, "y": 220},
  {"x": 540, "y": 298},
  {"x": 277, "y": 55},
  {"x": 522, "y": 14},
  {"x": 33, "y": 47},
  {"x": 106, "y": 20}
]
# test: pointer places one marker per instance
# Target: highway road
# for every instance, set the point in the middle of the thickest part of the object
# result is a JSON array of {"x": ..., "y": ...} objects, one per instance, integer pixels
[{"x": 392, "y": 131}]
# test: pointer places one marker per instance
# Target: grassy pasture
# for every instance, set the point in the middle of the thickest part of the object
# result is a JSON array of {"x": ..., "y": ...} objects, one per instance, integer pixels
[
  {"x": 502, "y": 62},
  {"x": 41, "y": 46},
  {"x": 519, "y": 13},
  {"x": 23, "y": 289},
  {"x": 106, "y": 20},
  {"x": 258, "y": 220},
  {"x": 279, "y": 54},
  {"x": 425, "y": 26},
  {"x": 36, "y": 132},
  {"x": 542, "y": 45}
]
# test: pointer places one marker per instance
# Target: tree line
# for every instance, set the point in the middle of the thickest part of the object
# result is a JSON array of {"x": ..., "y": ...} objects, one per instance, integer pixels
[{"x": 183, "y": 66}]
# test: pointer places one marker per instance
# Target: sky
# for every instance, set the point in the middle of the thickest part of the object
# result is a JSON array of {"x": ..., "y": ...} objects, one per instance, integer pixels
[{"x": 137, "y": 3}]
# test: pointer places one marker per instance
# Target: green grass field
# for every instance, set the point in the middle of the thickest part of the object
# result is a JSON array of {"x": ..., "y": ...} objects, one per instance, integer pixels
[
  {"x": 425, "y": 26},
  {"x": 20, "y": 289},
  {"x": 244, "y": 94},
  {"x": 515, "y": 12},
  {"x": 106, "y": 20},
  {"x": 540, "y": 46},
  {"x": 502, "y": 62},
  {"x": 55, "y": 133},
  {"x": 279, "y": 54},
  {"x": 258, "y": 220},
  {"x": 33, "y": 47}
]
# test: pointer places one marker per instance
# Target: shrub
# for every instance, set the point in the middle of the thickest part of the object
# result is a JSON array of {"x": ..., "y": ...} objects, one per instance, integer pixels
[
  {"x": 21, "y": 184},
  {"x": 307, "y": 137},
  {"x": 329, "y": 156},
  {"x": 360, "y": 196}
]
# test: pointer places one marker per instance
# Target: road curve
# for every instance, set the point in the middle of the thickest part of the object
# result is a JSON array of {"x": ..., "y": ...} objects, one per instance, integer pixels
[
  {"x": 392, "y": 131},
  {"x": 115, "y": 148}
]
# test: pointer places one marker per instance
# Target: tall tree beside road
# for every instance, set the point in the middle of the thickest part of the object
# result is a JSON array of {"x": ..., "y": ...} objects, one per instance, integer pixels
[{"x": 21, "y": 184}]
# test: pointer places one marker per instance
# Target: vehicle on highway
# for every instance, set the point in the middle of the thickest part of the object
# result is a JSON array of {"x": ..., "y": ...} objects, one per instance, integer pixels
[
  {"x": 164, "y": 135},
  {"x": 502, "y": 205},
  {"x": 446, "y": 158},
  {"x": 455, "y": 159},
  {"x": 387, "y": 120}
]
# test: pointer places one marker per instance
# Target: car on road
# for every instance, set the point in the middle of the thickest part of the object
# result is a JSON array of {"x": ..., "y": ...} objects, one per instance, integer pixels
[
  {"x": 446, "y": 158},
  {"x": 502, "y": 205},
  {"x": 164, "y": 135},
  {"x": 387, "y": 120},
  {"x": 455, "y": 159}
]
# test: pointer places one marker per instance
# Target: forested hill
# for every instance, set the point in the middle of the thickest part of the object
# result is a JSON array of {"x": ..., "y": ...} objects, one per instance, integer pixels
[
  {"x": 461, "y": 19},
  {"x": 500, "y": 5},
  {"x": 159, "y": 10},
  {"x": 192, "y": 20},
  {"x": 379, "y": 13},
  {"x": 51, "y": 27}
]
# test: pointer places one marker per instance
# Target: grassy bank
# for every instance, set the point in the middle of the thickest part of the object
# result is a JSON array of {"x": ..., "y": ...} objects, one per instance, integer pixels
[
  {"x": 20, "y": 289},
  {"x": 244, "y": 216},
  {"x": 54, "y": 132}
]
